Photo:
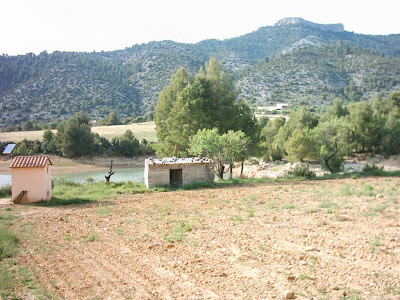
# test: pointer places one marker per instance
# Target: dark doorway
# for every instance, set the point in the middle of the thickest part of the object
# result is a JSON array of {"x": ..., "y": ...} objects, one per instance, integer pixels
[{"x": 175, "y": 178}]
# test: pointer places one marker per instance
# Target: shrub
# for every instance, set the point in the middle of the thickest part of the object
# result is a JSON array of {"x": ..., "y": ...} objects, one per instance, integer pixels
[
  {"x": 5, "y": 191},
  {"x": 302, "y": 170},
  {"x": 336, "y": 163},
  {"x": 370, "y": 169}
]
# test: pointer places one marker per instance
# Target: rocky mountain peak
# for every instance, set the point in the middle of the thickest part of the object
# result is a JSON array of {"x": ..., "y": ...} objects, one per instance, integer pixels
[{"x": 326, "y": 27}]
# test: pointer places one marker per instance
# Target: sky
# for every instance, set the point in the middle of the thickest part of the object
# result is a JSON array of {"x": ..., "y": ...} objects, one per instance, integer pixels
[{"x": 95, "y": 25}]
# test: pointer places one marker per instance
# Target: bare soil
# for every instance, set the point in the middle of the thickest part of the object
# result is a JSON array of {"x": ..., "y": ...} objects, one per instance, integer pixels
[{"x": 332, "y": 239}]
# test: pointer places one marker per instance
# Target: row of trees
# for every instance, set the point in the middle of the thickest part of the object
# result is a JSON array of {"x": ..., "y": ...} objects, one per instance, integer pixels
[
  {"x": 359, "y": 127},
  {"x": 200, "y": 116},
  {"x": 74, "y": 138}
]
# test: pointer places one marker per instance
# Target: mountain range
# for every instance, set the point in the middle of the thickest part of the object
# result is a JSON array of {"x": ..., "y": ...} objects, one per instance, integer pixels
[{"x": 294, "y": 61}]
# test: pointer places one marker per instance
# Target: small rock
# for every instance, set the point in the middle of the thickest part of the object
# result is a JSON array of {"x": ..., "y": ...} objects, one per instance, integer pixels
[
  {"x": 151, "y": 246},
  {"x": 223, "y": 274},
  {"x": 288, "y": 294},
  {"x": 336, "y": 288},
  {"x": 343, "y": 218},
  {"x": 310, "y": 248},
  {"x": 291, "y": 277},
  {"x": 169, "y": 246},
  {"x": 372, "y": 284}
]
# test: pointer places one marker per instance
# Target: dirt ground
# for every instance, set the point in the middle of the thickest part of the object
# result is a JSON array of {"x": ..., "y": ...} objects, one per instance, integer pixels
[{"x": 331, "y": 239}]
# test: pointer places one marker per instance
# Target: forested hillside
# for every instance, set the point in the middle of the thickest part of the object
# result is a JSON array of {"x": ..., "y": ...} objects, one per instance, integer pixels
[{"x": 296, "y": 63}]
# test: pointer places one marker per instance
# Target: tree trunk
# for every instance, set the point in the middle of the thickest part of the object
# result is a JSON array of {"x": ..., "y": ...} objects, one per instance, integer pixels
[
  {"x": 221, "y": 173},
  {"x": 241, "y": 168},
  {"x": 326, "y": 162},
  {"x": 230, "y": 170}
]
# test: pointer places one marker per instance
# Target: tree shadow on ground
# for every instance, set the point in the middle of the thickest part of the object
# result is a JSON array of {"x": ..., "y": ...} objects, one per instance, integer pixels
[{"x": 61, "y": 202}]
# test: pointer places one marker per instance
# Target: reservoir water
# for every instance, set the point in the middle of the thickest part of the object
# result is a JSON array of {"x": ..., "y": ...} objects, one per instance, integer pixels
[{"x": 133, "y": 174}]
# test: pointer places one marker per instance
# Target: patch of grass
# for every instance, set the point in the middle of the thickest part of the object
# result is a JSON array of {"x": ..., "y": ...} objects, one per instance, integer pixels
[
  {"x": 375, "y": 244},
  {"x": 366, "y": 190},
  {"x": 199, "y": 185},
  {"x": 165, "y": 210},
  {"x": 345, "y": 190},
  {"x": 67, "y": 192},
  {"x": 7, "y": 281},
  {"x": 103, "y": 210},
  {"x": 8, "y": 243},
  {"x": 237, "y": 218},
  {"x": 302, "y": 277},
  {"x": 271, "y": 204},
  {"x": 178, "y": 232},
  {"x": 367, "y": 214},
  {"x": 92, "y": 238},
  {"x": 380, "y": 208},
  {"x": 329, "y": 205},
  {"x": 8, "y": 239},
  {"x": 249, "y": 209},
  {"x": 288, "y": 206}
]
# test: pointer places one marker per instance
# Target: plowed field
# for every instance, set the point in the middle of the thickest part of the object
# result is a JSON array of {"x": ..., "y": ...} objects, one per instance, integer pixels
[{"x": 336, "y": 239}]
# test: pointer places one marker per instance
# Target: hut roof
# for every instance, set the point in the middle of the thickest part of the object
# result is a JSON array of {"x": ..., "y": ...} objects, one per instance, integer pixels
[
  {"x": 177, "y": 161},
  {"x": 30, "y": 162}
]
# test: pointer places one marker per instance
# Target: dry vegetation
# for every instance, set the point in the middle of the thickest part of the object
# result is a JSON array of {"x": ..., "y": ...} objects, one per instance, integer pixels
[
  {"x": 140, "y": 130},
  {"x": 332, "y": 239}
]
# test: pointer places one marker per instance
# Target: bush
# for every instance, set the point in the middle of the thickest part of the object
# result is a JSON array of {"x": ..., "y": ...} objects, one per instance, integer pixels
[
  {"x": 302, "y": 170},
  {"x": 372, "y": 168},
  {"x": 5, "y": 191},
  {"x": 336, "y": 163}
]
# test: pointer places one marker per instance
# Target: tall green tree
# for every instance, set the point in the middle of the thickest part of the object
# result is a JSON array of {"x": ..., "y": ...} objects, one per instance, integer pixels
[
  {"x": 329, "y": 140},
  {"x": 126, "y": 145},
  {"x": 74, "y": 138},
  {"x": 299, "y": 146},
  {"x": 189, "y": 104}
]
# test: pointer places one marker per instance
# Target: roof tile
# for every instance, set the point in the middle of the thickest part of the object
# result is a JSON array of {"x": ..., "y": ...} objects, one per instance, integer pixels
[
  {"x": 30, "y": 162},
  {"x": 177, "y": 161}
]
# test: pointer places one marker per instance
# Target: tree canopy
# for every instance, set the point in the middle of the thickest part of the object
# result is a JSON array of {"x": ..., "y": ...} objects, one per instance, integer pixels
[
  {"x": 188, "y": 104},
  {"x": 221, "y": 148}
]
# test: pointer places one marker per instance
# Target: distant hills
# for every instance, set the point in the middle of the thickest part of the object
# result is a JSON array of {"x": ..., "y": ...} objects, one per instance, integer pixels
[{"x": 294, "y": 61}]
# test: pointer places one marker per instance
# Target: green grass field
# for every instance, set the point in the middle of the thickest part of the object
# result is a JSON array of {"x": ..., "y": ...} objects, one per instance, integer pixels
[{"x": 146, "y": 130}]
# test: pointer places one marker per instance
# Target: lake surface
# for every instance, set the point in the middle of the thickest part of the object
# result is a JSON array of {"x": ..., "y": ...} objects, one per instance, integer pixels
[{"x": 133, "y": 174}]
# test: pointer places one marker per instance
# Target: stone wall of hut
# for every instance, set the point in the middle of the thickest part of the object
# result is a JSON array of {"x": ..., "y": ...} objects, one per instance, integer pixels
[{"x": 159, "y": 175}]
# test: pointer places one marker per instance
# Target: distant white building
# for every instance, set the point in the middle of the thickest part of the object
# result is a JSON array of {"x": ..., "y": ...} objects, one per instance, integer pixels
[
  {"x": 177, "y": 172},
  {"x": 280, "y": 107}
]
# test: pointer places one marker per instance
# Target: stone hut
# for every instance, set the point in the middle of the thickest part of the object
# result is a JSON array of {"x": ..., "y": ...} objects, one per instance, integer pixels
[
  {"x": 31, "y": 179},
  {"x": 177, "y": 172}
]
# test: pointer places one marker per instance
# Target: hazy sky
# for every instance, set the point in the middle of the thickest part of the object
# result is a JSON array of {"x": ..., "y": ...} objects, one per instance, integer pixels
[{"x": 87, "y": 25}]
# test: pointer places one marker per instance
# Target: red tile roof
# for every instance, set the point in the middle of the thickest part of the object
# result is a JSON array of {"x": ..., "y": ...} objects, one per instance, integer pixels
[{"x": 30, "y": 162}]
